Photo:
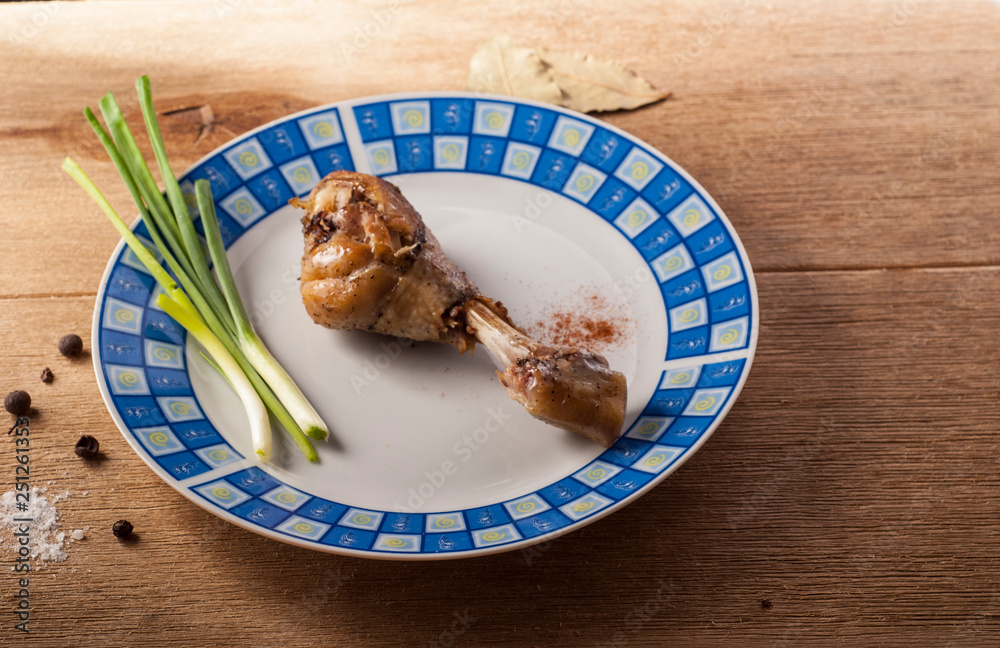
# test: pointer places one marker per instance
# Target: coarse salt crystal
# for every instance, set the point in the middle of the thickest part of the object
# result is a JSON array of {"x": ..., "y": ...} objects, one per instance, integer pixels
[
  {"x": 46, "y": 539},
  {"x": 77, "y": 534}
]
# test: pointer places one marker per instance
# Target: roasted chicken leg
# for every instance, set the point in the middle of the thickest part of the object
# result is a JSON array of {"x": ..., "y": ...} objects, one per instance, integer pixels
[{"x": 370, "y": 263}]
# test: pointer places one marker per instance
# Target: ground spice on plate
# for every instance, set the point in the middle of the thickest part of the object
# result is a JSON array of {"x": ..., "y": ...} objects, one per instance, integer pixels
[{"x": 586, "y": 319}]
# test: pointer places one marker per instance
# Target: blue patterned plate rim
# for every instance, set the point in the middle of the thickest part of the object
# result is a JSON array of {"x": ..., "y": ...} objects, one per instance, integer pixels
[{"x": 390, "y": 135}]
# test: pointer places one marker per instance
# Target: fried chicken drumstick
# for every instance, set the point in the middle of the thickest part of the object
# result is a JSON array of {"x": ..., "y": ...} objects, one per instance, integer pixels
[{"x": 370, "y": 263}]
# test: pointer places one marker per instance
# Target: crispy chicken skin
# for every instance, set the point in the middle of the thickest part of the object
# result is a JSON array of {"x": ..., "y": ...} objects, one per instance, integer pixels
[{"x": 370, "y": 263}]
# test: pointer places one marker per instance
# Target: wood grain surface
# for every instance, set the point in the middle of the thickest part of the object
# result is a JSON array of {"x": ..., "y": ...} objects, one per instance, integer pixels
[{"x": 855, "y": 484}]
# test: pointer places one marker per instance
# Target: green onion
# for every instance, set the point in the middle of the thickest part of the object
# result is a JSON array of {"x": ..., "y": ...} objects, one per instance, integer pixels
[
  {"x": 176, "y": 304},
  {"x": 262, "y": 360},
  {"x": 260, "y": 426},
  {"x": 224, "y": 333},
  {"x": 207, "y": 305},
  {"x": 273, "y": 373},
  {"x": 159, "y": 215}
]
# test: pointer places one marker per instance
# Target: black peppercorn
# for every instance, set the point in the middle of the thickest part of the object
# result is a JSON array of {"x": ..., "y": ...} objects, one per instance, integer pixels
[
  {"x": 122, "y": 529},
  {"x": 17, "y": 403},
  {"x": 70, "y": 345},
  {"x": 765, "y": 603},
  {"x": 47, "y": 375},
  {"x": 87, "y": 447}
]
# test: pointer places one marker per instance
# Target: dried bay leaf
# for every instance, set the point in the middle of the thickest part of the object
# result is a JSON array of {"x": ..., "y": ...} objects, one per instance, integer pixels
[
  {"x": 591, "y": 84},
  {"x": 501, "y": 67},
  {"x": 578, "y": 81}
]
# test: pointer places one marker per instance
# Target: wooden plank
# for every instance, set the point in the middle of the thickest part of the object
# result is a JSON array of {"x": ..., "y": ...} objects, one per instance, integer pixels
[
  {"x": 840, "y": 135},
  {"x": 853, "y": 484}
]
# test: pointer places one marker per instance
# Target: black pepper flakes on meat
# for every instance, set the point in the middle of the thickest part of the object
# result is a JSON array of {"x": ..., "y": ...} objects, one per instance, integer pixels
[
  {"x": 17, "y": 402},
  {"x": 122, "y": 529},
  {"x": 70, "y": 345},
  {"x": 87, "y": 447}
]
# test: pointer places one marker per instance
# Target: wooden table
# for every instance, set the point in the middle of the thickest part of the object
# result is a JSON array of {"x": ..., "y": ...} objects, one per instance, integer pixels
[{"x": 854, "y": 146}]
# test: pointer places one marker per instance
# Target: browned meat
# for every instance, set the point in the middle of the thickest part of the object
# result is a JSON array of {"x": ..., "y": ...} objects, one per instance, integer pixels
[{"x": 370, "y": 263}]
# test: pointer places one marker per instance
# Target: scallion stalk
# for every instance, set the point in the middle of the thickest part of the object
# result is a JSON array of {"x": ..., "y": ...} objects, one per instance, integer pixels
[
  {"x": 207, "y": 305},
  {"x": 273, "y": 373},
  {"x": 176, "y": 304},
  {"x": 260, "y": 426}
]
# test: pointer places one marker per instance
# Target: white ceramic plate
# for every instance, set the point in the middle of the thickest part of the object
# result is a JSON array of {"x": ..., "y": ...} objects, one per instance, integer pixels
[{"x": 548, "y": 210}]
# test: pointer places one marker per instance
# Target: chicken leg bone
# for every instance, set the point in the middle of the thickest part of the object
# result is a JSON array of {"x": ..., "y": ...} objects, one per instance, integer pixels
[{"x": 566, "y": 387}]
